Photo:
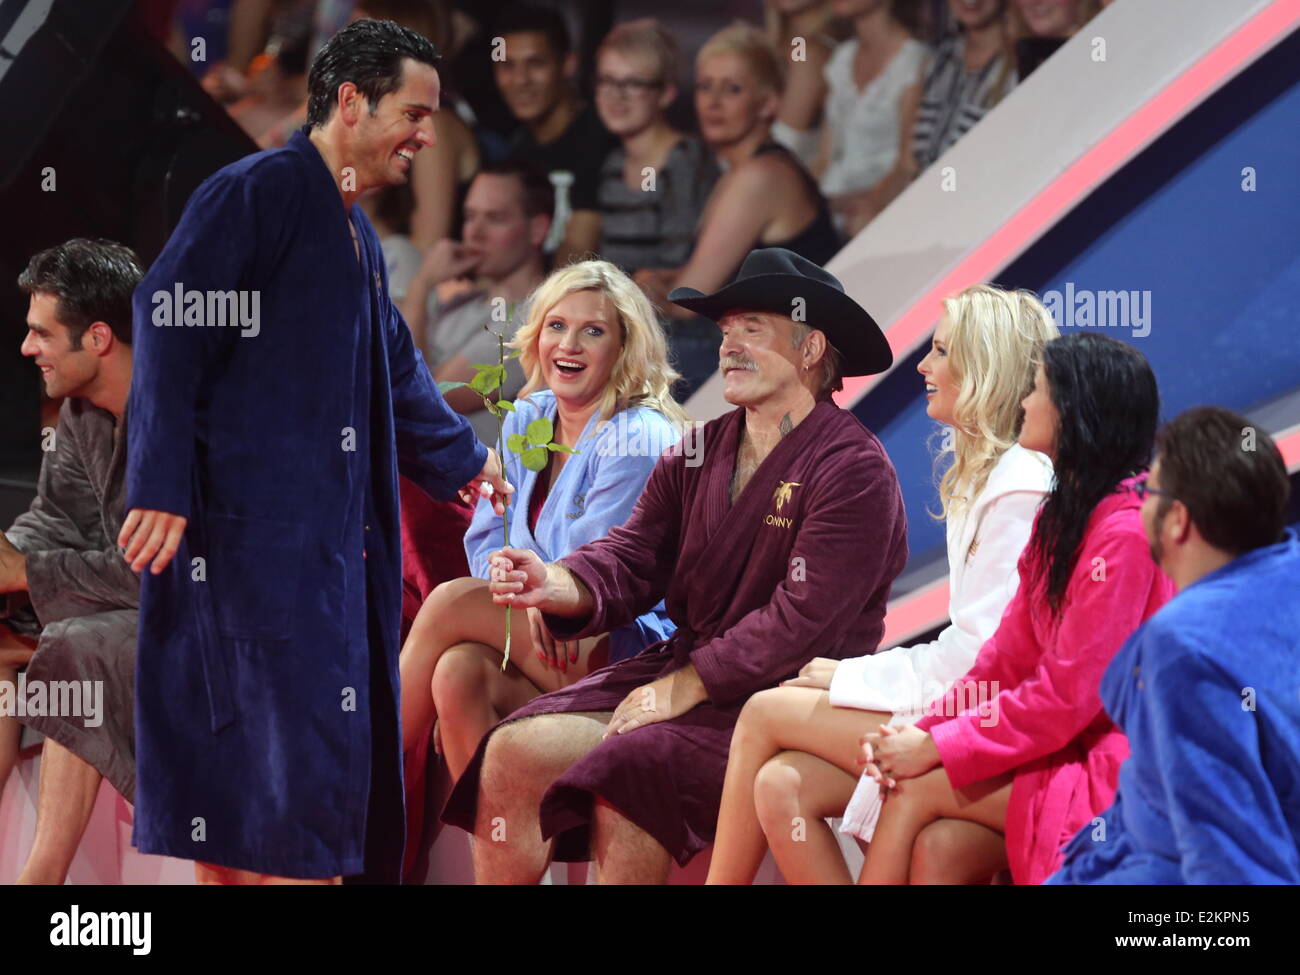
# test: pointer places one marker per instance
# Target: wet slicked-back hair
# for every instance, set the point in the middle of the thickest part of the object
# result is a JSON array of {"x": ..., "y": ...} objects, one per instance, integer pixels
[
  {"x": 93, "y": 281},
  {"x": 368, "y": 53}
]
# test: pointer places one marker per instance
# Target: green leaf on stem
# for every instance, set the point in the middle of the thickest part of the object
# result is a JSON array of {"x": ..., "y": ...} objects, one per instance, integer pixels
[
  {"x": 484, "y": 382},
  {"x": 445, "y": 386},
  {"x": 540, "y": 431},
  {"x": 534, "y": 458},
  {"x": 516, "y": 443},
  {"x": 561, "y": 448}
]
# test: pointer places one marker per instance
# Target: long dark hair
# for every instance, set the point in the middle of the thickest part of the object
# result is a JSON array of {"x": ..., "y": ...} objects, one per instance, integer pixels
[{"x": 1108, "y": 408}]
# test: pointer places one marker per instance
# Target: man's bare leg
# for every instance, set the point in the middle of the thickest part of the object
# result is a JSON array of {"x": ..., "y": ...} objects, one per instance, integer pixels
[
  {"x": 11, "y": 732},
  {"x": 953, "y": 851},
  {"x": 793, "y": 794},
  {"x": 15, "y": 651},
  {"x": 214, "y": 874},
  {"x": 522, "y": 760},
  {"x": 624, "y": 853},
  {"x": 65, "y": 800}
]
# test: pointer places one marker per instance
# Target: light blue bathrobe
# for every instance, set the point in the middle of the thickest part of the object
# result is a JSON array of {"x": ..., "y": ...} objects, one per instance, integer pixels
[{"x": 595, "y": 491}]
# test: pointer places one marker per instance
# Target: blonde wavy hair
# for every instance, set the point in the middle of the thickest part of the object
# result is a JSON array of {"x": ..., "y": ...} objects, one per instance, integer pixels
[
  {"x": 641, "y": 375},
  {"x": 749, "y": 44},
  {"x": 995, "y": 344}
]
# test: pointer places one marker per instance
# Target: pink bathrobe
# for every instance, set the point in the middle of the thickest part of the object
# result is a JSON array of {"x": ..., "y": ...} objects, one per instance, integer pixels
[{"x": 1050, "y": 727}]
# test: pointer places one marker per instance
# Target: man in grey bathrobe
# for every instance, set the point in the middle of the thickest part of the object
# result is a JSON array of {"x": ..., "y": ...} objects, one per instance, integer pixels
[{"x": 62, "y": 552}]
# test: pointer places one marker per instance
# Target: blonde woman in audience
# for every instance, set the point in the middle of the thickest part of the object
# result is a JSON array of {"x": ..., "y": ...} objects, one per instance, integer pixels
[
  {"x": 795, "y": 751},
  {"x": 593, "y": 352},
  {"x": 765, "y": 198}
]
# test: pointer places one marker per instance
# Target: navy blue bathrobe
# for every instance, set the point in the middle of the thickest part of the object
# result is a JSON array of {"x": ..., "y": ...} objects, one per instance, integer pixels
[{"x": 266, "y": 723}]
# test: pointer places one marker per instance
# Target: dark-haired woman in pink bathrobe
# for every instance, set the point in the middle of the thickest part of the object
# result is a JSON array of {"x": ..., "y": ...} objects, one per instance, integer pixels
[{"x": 1019, "y": 755}]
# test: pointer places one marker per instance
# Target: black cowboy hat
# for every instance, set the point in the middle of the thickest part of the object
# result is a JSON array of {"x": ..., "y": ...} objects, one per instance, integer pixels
[{"x": 776, "y": 280}]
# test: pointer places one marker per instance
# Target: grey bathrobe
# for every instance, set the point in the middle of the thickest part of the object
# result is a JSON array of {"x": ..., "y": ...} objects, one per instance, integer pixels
[{"x": 84, "y": 596}]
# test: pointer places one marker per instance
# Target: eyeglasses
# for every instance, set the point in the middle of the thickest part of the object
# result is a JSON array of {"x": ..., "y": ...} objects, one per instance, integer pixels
[
  {"x": 626, "y": 87},
  {"x": 1142, "y": 489}
]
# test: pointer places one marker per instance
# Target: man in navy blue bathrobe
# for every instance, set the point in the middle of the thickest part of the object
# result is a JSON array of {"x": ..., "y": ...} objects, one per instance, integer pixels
[{"x": 278, "y": 393}]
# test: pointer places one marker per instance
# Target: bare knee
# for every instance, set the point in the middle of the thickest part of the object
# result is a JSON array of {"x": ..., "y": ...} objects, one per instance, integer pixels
[
  {"x": 776, "y": 796},
  {"x": 459, "y": 680},
  {"x": 438, "y": 613},
  {"x": 757, "y": 714},
  {"x": 531, "y": 750},
  {"x": 938, "y": 852}
]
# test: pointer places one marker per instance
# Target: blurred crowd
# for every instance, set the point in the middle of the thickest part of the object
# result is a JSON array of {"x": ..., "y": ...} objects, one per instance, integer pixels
[{"x": 793, "y": 130}]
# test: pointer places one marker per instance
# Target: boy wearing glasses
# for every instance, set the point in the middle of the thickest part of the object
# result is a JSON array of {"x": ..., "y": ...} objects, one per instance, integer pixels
[{"x": 654, "y": 186}]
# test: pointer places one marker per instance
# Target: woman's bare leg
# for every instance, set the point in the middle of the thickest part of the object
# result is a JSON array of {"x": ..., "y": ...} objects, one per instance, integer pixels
[
  {"x": 794, "y": 793},
  {"x": 438, "y": 625},
  {"x": 918, "y": 802},
  {"x": 776, "y": 720},
  {"x": 955, "y": 851},
  {"x": 471, "y": 694},
  {"x": 462, "y": 611}
]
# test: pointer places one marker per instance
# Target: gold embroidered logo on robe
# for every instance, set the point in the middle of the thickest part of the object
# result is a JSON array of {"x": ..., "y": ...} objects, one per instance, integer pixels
[{"x": 782, "y": 494}]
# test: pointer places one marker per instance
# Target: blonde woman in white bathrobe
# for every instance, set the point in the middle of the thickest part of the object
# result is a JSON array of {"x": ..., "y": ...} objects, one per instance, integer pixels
[{"x": 795, "y": 757}]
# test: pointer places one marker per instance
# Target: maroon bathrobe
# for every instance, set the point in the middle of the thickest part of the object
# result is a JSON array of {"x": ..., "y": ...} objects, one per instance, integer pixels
[{"x": 799, "y": 567}]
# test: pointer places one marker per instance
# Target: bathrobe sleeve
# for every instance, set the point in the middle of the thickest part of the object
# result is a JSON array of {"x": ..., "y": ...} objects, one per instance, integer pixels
[
  {"x": 1046, "y": 710},
  {"x": 906, "y": 678},
  {"x": 61, "y": 539},
  {"x": 845, "y": 566},
  {"x": 436, "y": 446},
  {"x": 628, "y": 570},
  {"x": 1227, "y": 821},
  {"x": 220, "y": 237}
]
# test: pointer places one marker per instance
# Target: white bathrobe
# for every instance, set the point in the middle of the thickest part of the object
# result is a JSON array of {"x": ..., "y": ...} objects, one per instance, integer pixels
[{"x": 984, "y": 545}]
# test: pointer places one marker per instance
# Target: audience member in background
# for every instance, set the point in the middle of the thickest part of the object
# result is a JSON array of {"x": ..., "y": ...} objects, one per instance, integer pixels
[
  {"x": 802, "y": 34},
  {"x": 594, "y": 352},
  {"x": 233, "y": 59},
  {"x": 1042, "y": 26},
  {"x": 765, "y": 198},
  {"x": 654, "y": 186},
  {"x": 556, "y": 130},
  {"x": 507, "y": 216},
  {"x": 871, "y": 77},
  {"x": 971, "y": 71},
  {"x": 389, "y": 209},
  {"x": 796, "y": 748},
  {"x": 1018, "y": 755},
  {"x": 1206, "y": 689},
  {"x": 63, "y": 550}
]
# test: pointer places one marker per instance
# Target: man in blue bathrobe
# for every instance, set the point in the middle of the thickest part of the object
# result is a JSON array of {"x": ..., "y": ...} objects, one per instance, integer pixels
[
  {"x": 1206, "y": 689},
  {"x": 278, "y": 394}
]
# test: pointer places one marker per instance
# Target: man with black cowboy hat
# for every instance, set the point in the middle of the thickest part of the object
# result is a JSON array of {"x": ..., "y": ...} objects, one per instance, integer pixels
[{"x": 780, "y": 547}]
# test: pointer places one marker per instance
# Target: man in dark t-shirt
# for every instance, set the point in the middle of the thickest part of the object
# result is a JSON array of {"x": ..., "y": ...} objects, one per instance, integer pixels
[{"x": 534, "y": 73}]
